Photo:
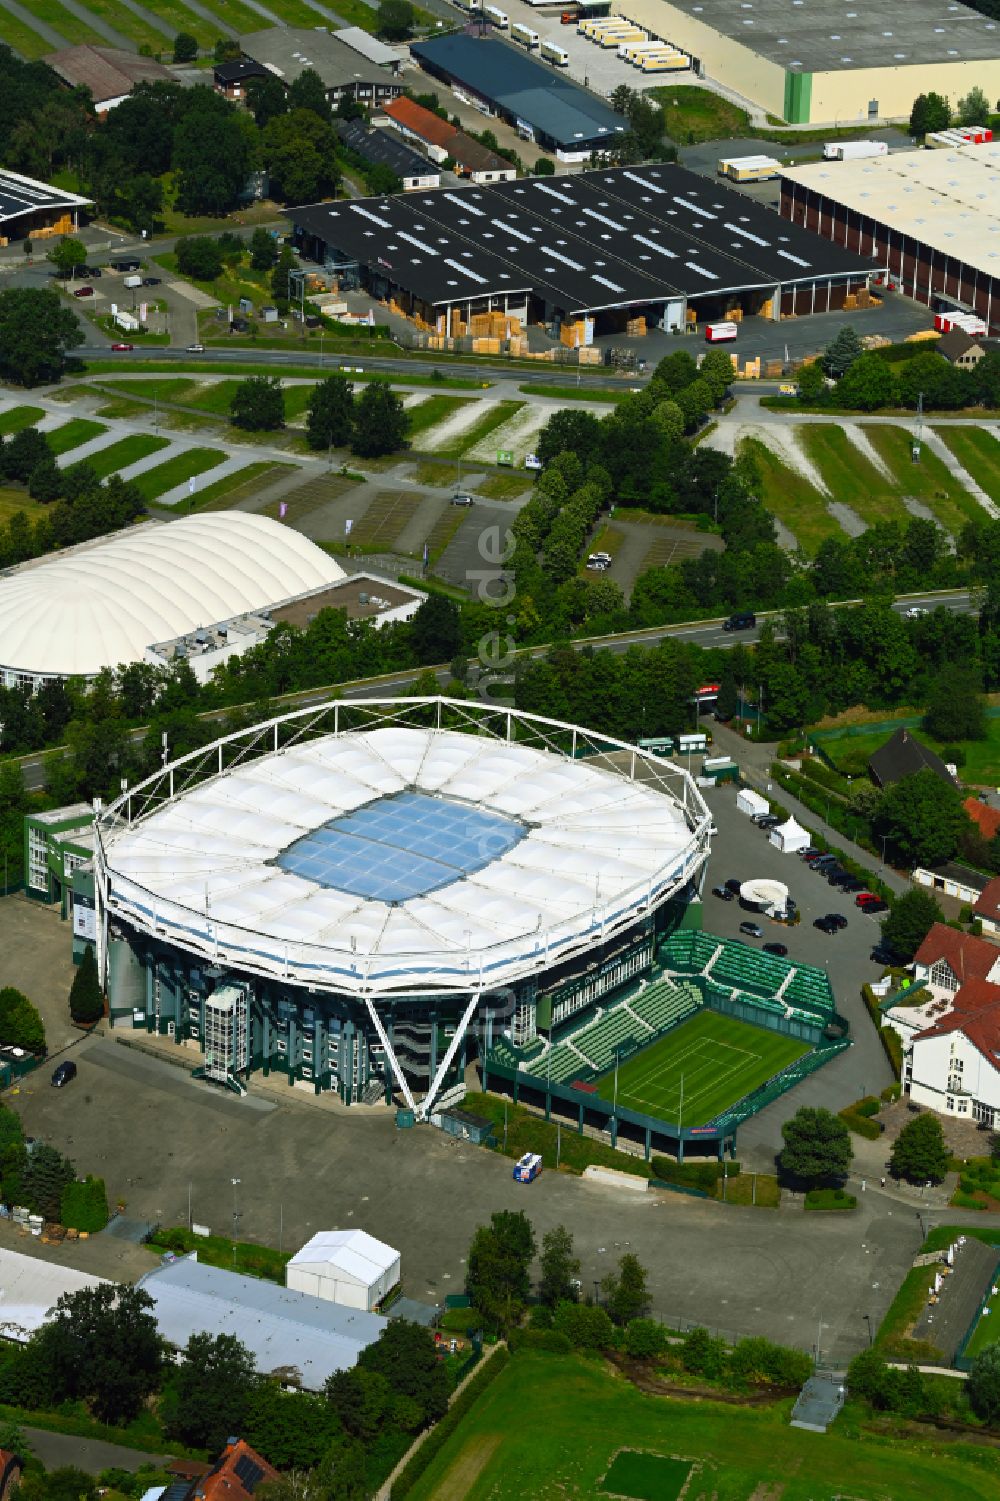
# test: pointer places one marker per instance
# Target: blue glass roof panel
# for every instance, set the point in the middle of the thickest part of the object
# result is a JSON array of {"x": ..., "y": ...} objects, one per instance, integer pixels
[{"x": 402, "y": 846}]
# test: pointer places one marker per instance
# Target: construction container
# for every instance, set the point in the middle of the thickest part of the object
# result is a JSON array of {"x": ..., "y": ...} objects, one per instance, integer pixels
[
  {"x": 852, "y": 151},
  {"x": 749, "y": 168}
]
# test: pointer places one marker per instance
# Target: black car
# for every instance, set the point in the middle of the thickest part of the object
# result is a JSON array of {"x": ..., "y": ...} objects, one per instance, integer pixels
[
  {"x": 752, "y": 929},
  {"x": 733, "y": 885},
  {"x": 826, "y": 926},
  {"x": 743, "y": 620},
  {"x": 871, "y": 907},
  {"x": 837, "y": 919},
  {"x": 722, "y": 893},
  {"x": 780, "y": 949},
  {"x": 63, "y": 1073},
  {"x": 769, "y": 821},
  {"x": 851, "y": 885},
  {"x": 884, "y": 953},
  {"x": 151, "y": 281}
]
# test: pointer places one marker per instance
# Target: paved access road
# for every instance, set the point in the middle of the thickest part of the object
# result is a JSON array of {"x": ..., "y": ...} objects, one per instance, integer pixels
[{"x": 57, "y": 1450}]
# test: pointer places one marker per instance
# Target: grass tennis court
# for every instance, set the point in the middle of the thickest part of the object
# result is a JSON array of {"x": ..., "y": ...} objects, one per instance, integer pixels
[{"x": 719, "y": 1060}]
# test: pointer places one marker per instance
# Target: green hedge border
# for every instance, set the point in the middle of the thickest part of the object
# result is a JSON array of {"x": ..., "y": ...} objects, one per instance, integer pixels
[
  {"x": 439, "y": 1435},
  {"x": 890, "y": 1039}
]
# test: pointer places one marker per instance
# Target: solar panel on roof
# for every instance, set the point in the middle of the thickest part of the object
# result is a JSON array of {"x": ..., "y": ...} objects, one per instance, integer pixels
[
  {"x": 401, "y": 846},
  {"x": 248, "y": 1472}
]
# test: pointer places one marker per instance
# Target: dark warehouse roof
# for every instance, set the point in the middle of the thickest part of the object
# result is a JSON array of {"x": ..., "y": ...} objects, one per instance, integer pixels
[
  {"x": 385, "y": 147},
  {"x": 608, "y": 238},
  {"x": 531, "y": 90}
]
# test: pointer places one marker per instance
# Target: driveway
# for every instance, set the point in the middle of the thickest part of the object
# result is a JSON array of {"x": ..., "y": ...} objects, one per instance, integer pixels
[{"x": 57, "y": 1450}]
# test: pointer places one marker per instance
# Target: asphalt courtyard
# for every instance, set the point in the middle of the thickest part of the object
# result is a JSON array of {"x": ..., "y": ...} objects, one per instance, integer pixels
[{"x": 158, "y": 1136}]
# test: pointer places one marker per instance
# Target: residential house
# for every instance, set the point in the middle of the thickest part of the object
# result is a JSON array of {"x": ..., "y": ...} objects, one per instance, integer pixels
[{"x": 903, "y": 755}]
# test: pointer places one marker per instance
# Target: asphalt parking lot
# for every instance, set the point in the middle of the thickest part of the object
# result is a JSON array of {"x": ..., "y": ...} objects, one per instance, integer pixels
[
  {"x": 157, "y": 1136},
  {"x": 740, "y": 851},
  {"x": 36, "y": 949}
]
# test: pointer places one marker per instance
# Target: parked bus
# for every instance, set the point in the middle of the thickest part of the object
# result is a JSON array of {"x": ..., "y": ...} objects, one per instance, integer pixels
[
  {"x": 496, "y": 17},
  {"x": 527, "y": 1168},
  {"x": 524, "y": 35},
  {"x": 554, "y": 54}
]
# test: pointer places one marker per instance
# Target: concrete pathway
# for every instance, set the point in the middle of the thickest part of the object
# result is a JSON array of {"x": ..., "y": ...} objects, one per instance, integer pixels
[
  {"x": 96, "y": 23},
  {"x": 92, "y": 446},
  {"x": 220, "y": 471},
  {"x": 147, "y": 16},
  {"x": 152, "y": 460},
  {"x": 48, "y": 33},
  {"x": 50, "y": 422}
]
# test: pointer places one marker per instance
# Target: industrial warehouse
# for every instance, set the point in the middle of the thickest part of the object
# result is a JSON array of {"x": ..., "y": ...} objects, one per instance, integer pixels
[
  {"x": 806, "y": 62},
  {"x": 930, "y": 217},
  {"x": 657, "y": 241},
  {"x": 540, "y": 104}
]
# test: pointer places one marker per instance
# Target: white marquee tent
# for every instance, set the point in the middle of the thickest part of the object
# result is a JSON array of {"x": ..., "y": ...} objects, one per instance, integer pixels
[
  {"x": 349, "y": 1267},
  {"x": 790, "y": 837}
]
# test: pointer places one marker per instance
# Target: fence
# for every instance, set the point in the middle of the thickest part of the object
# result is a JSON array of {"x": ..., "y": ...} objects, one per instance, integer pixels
[
  {"x": 767, "y": 1093},
  {"x": 759, "y": 1016}
]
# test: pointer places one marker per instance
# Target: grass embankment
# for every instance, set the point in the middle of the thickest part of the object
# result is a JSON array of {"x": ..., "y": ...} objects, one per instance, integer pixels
[
  {"x": 72, "y": 434},
  {"x": 978, "y": 452},
  {"x": 582, "y": 1415},
  {"x": 790, "y": 497},
  {"x": 479, "y": 430},
  {"x": 530, "y": 1133},
  {"x": 574, "y": 393},
  {"x": 850, "y": 476},
  {"x": 894, "y": 1339},
  {"x": 16, "y": 418},
  {"x": 120, "y": 455},
  {"x": 13, "y": 500},
  {"x": 219, "y": 1250},
  {"x": 851, "y": 752},
  {"x": 927, "y": 481}
]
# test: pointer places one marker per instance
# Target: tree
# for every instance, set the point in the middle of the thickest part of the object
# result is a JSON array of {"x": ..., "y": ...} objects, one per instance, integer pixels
[
  {"x": 362, "y": 1400},
  {"x": 717, "y": 370},
  {"x": 974, "y": 109},
  {"x": 330, "y": 413},
  {"x": 20, "y": 1024},
  {"x": 910, "y": 919},
  {"x": 102, "y": 1345},
  {"x": 199, "y": 256},
  {"x": 46, "y": 1173},
  {"x": 497, "y": 1271},
  {"x": 956, "y": 709},
  {"x": 436, "y": 630},
  {"x": 930, "y": 112},
  {"x": 867, "y": 384},
  {"x": 208, "y": 1396},
  {"x": 380, "y": 422},
  {"x": 586, "y": 1326},
  {"x": 817, "y": 1146},
  {"x": 919, "y": 1152},
  {"x": 626, "y": 1295},
  {"x": 36, "y": 334},
  {"x": 922, "y": 818},
  {"x": 263, "y": 250},
  {"x": 544, "y": 167},
  {"x": 406, "y": 1355},
  {"x": 67, "y": 254},
  {"x": 645, "y": 1339},
  {"x": 307, "y": 92},
  {"x": 395, "y": 18},
  {"x": 812, "y": 383},
  {"x": 86, "y": 1003},
  {"x": 870, "y": 1377},
  {"x": 559, "y": 1282},
  {"x": 185, "y": 47},
  {"x": 211, "y": 154},
  {"x": 380, "y": 180},
  {"x": 23, "y": 453},
  {"x": 280, "y": 284},
  {"x": 983, "y": 1385},
  {"x": 841, "y": 354},
  {"x": 298, "y": 151},
  {"x": 258, "y": 404}
]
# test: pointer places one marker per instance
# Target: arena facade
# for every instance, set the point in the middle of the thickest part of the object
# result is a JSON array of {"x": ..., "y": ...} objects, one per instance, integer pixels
[{"x": 365, "y": 896}]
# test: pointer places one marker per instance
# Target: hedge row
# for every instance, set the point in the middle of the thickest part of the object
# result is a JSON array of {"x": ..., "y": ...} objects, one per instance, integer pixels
[
  {"x": 441, "y": 1433},
  {"x": 830, "y": 1199},
  {"x": 857, "y": 1119},
  {"x": 704, "y": 1175},
  {"x": 889, "y": 1038},
  {"x": 800, "y": 788},
  {"x": 817, "y": 771}
]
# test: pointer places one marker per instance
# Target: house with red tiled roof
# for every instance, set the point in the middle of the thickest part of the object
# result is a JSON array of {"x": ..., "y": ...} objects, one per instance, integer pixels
[
  {"x": 947, "y": 959},
  {"x": 986, "y": 819},
  {"x": 235, "y": 1476},
  {"x": 987, "y": 906},
  {"x": 441, "y": 140}
]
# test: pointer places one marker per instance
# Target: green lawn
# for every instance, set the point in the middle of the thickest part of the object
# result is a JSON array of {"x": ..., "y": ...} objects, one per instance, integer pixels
[
  {"x": 63, "y": 21},
  {"x": 850, "y": 476},
  {"x": 550, "y": 1427},
  {"x": 982, "y": 757},
  {"x": 505, "y": 486},
  {"x": 575, "y": 393},
  {"x": 132, "y": 26},
  {"x": 480, "y": 429},
  {"x": 791, "y": 498},
  {"x": 13, "y": 500},
  {"x": 978, "y": 452},
  {"x": 78, "y": 430},
  {"x": 927, "y": 481},
  {"x": 433, "y": 410},
  {"x": 127, "y": 451},
  {"x": 13, "y": 420},
  {"x": 224, "y": 493},
  {"x": 24, "y": 39},
  {"x": 986, "y": 1332},
  {"x": 167, "y": 388},
  {"x": 700, "y": 1068},
  {"x": 175, "y": 471},
  {"x": 694, "y": 114}
]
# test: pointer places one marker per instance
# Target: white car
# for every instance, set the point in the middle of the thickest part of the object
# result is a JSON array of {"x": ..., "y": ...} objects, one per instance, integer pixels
[
  {"x": 532, "y": 461},
  {"x": 915, "y": 612}
]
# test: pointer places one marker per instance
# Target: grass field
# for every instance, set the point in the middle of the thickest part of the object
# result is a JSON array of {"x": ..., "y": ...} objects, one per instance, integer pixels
[
  {"x": 175, "y": 471},
  {"x": 78, "y": 430},
  {"x": 791, "y": 498},
  {"x": 165, "y": 388},
  {"x": 126, "y": 451},
  {"x": 982, "y": 757},
  {"x": 432, "y": 410},
  {"x": 928, "y": 481},
  {"x": 488, "y": 423},
  {"x": 575, "y": 393},
  {"x": 13, "y": 420},
  {"x": 692, "y": 114},
  {"x": 978, "y": 452},
  {"x": 553, "y": 1427},
  {"x": 227, "y": 492},
  {"x": 13, "y": 500},
  {"x": 700, "y": 1069},
  {"x": 504, "y": 485},
  {"x": 850, "y": 476},
  {"x": 986, "y": 1332}
]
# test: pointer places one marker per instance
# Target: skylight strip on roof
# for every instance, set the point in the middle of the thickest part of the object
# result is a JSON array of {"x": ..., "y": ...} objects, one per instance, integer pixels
[
  {"x": 734, "y": 229},
  {"x": 367, "y": 214},
  {"x": 462, "y": 199},
  {"x": 797, "y": 259},
  {"x": 510, "y": 230},
  {"x": 592, "y": 213},
  {"x": 651, "y": 187},
  {"x": 693, "y": 208},
  {"x": 701, "y": 270},
  {"x": 654, "y": 245},
  {"x": 612, "y": 285},
  {"x": 554, "y": 193},
  {"x": 412, "y": 240},
  {"x": 564, "y": 260},
  {"x": 472, "y": 275}
]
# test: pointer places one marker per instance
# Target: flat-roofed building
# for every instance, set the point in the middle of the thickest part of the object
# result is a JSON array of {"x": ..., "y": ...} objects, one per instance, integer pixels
[{"x": 288, "y": 51}]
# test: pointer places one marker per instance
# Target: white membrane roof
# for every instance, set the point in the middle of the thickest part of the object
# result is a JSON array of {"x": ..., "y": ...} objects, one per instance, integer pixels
[
  {"x": 596, "y": 849},
  {"x": 104, "y": 606}
]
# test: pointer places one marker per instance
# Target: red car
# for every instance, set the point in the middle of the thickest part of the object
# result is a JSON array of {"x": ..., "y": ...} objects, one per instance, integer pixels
[
  {"x": 122, "y": 348},
  {"x": 84, "y": 292},
  {"x": 865, "y": 898}
]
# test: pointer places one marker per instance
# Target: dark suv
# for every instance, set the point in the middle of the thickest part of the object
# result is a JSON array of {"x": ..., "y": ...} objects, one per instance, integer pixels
[
  {"x": 63, "y": 1073},
  {"x": 743, "y": 620}
]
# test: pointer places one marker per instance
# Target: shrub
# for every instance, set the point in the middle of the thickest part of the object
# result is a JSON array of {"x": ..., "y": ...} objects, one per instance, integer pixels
[
  {"x": 584, "y": 1325},
  {"x": 540, "y": 1339},
  {"x": 868, "y": 1106},
  {"x": 758, "y": 1362},
  {"x": 645, "y": 1339},
  {"x": 85, "y": 1205},
  {"x": 20, "y": 1024},
  {"x": 703, "y": 1355},
  {"x": 829, "y": 1198},
  {"x": 86, "y": 1003}
]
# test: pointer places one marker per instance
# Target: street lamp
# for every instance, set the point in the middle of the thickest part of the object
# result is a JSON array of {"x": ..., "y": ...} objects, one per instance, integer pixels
[
  {"x": 236, "y": 1217},
  {"x": 868, "y": 1320}
]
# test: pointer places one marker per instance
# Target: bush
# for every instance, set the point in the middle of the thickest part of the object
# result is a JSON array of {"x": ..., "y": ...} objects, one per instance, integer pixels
[
  {"x": 645, "y": 1339},
  {"x": 584, "y": 1325},
  {"x": 20, "y": 1024},
  {"x": 860, "y": 1124},
  {"x": 830, "y": 1199},
  {"x": 540, "y": 1339},
  {"x": 198, "y": 256},
  {"x": 758, "y": 1362},
  {"x": 439, "y": 1435},
  {"x": 85, "y": 1205},
  {"x": 703, "y": 1355},
  {"x": 868, "y": 1106}
]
